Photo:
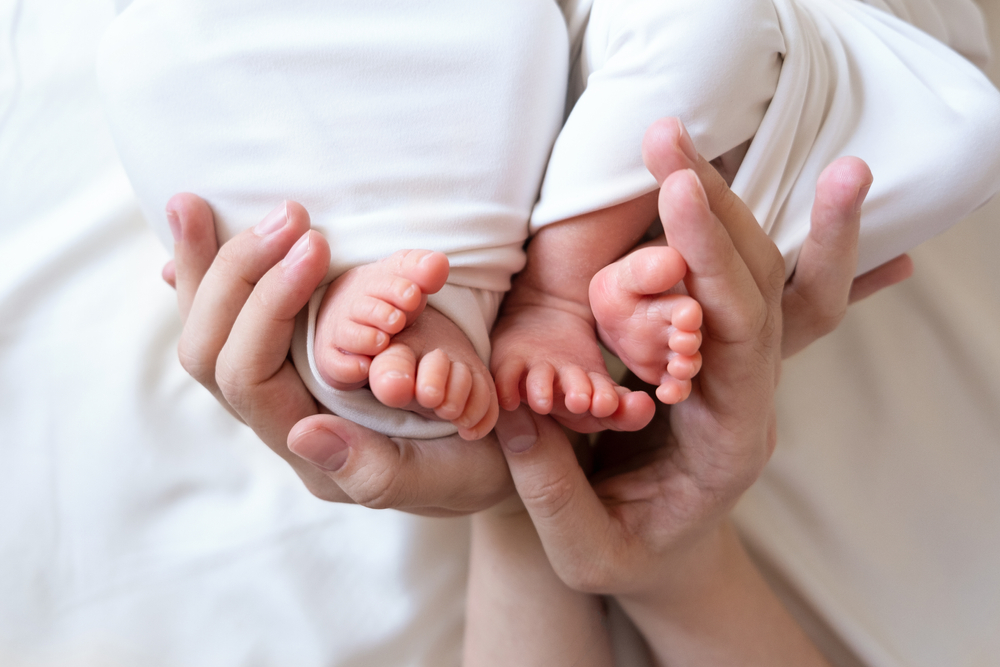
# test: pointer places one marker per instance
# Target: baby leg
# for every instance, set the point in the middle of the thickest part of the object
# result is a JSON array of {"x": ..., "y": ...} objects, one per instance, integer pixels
[
  {"x": 366, "y": 333},
  {"x": 545, "y": 349},
  {"x": 655, "y": 333}
]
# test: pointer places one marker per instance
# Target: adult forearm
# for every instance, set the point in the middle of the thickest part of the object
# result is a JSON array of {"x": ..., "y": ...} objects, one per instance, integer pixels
[
  {"x": 518, "y": 611},
  {"x": 721, "y": 612}
]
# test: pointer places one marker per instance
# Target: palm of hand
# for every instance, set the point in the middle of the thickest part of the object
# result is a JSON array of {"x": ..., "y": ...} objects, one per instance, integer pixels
[{"x": 686, "y": 470}]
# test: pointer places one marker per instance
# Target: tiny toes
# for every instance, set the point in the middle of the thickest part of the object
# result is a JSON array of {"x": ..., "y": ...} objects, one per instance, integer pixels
[
  {"x": 457, "y": 390},
  {"x": 685, "y": 342},
  {"x": 507, "y": 379},
  {"x": 604, "y": 402},
  {"x": 684, "y": 367},
  {"x": 577, "y": 388},
  {"x": 687, "y": 314},
  {"x": 432, "y": 378},
  {"x": 673, "y": 391},
  {"x": 427, "y": 268},
  {"x": 342, "y": 370},
  {"x": 538, "y": 388},
  {"x": 392, "y": 376},
  {"x": 380, "y": 314},
  {"x": 481, "y": 410}
]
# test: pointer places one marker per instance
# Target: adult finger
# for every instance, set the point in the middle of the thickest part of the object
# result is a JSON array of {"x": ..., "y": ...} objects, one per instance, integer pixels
[
  {"x": 892, "y": 272},
  {"x": 667, "y": 147},
  {"x": 815, "y": 299},
  {"x": 443, "y": 477},
  {"x": 218, "y": 295},
  {"x": 742, "y": 320},
  {"x": 192, "y": 225},
  {"x": 733, "y": 304},
  {"x": 254, "y": 373},
  {"x": 169, "y": 274},
  {"x": 576, "y": 529}
]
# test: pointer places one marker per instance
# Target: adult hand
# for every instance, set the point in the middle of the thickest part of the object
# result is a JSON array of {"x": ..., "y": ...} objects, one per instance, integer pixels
[
  {"x": 238, "y": 304},
  {"x": 816, "y": 297},
  {"x": 656, "y": 536},
  {"x": 718, "y": 439}
]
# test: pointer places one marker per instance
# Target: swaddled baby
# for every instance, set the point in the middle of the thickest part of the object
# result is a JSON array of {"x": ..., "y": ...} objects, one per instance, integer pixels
[{"x": 430, "y": 126}]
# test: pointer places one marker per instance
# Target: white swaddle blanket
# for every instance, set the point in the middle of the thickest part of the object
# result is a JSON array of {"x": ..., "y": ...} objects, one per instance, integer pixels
[
  {"x": 396, "y": 124},
  {"x": 429, "y": 127},
  {"x": 854, "y": 80}
]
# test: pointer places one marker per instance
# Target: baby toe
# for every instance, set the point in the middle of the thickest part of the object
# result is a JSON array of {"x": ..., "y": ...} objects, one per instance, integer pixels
[
  {"x": 604, "y": 402},
  {"x": 576, "y": 387},
  {"x": 684, "y": 367},
  {"x": 392, "y": 376},
  {"x": 342, "y": 370},
  {"x": 457, "y": 390},
  {"x": 685, "y": 342},
  {"x": 673, "y": 390},
  {"x": 432, "y": 379}
]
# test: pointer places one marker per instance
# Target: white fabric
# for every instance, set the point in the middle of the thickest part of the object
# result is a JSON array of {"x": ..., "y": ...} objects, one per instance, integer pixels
[
  {"x": 413, "y": 126},
  {"x": 139, "y": 523},
  {"x": 853, "y": 81},
  {"x": 396, "y": 124},
  {"x": 878, "y": 513}
]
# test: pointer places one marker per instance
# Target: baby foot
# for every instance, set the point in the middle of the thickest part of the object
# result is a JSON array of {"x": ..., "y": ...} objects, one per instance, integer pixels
[
  {"x": 546, "y": 353},
  {"x": 366, "y": 306},
  {"x": 431, "y": 367},
  {"x": 655, "y": 334}
]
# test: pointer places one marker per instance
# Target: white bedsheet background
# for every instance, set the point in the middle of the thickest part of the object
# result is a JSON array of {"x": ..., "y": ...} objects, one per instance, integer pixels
[
  {"x": 881, "y": 506},
  {"x": 139, "y": 524}
]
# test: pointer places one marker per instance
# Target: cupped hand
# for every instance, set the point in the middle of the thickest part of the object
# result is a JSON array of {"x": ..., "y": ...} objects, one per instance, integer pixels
[
  {"x": 625, "y": 532},
  {"x": 655, "y": 532},
  {"x": 702, "y": 454},
  {"x": 816, "y": 297},
  {"x": 238, "y": 304}
]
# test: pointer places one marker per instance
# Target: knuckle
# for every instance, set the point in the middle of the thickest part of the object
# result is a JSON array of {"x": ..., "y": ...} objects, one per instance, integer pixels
[
  {"x": 194, "y": 363},
  {"x": 378, "y": 488},
  {"x": 776, "y": 275},
  {"x": 230, "y": 381},
  {"x": 549, "y": 498}
]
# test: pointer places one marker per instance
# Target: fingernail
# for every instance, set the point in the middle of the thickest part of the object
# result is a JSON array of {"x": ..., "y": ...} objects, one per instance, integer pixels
[
  {"x": 862, "y": 193},
  {"x": 516, "y": 430},
  {"x": 175, "y": 225},
  {"x": 686, "y": 144},
  {"x": 274, "y": 221},
  {"x": 697, "y": 191},
  {"x": 321, "y": 448},
  {"x": 297, "y": 252}
]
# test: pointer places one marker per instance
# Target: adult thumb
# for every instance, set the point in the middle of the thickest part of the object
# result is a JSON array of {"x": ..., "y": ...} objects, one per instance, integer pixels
[{"x": 570, "y": 519}]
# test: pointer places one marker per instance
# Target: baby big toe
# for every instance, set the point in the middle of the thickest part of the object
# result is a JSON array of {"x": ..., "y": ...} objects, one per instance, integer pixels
[{"x": 392, "y": 376}]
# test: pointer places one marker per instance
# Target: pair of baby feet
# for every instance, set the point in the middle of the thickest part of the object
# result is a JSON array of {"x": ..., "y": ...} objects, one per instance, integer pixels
[{"x": 374, "y": 327}]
